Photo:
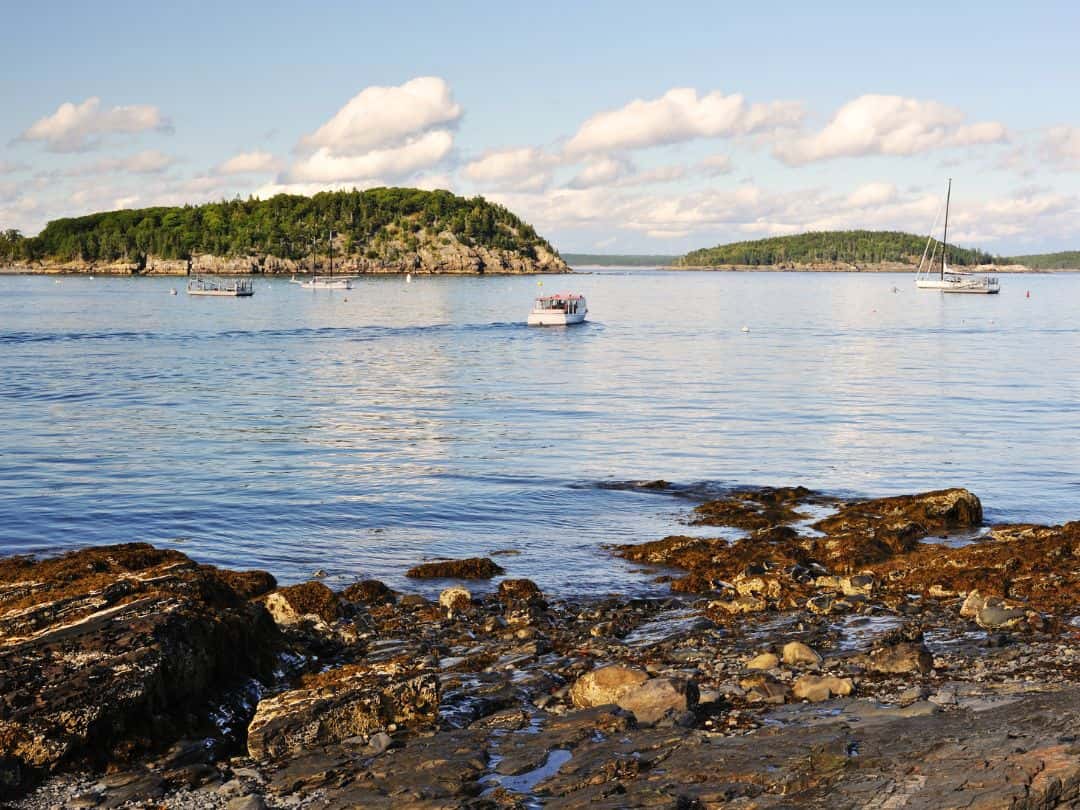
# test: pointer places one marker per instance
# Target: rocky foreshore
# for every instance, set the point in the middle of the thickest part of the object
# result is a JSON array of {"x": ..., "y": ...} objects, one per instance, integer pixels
[
  {"x": 451, "y": 258},
  {"x": 893, "y": 653}
]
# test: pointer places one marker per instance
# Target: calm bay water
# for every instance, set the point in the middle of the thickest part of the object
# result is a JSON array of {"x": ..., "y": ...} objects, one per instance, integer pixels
[{"x": 361, "y": 432}]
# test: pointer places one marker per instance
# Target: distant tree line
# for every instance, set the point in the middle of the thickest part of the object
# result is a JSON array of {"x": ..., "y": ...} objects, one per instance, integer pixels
[
  {"x": 851, "y": 247},
  {"x": 283, "y": 226},
  {"x": 1066, "y": 260}
]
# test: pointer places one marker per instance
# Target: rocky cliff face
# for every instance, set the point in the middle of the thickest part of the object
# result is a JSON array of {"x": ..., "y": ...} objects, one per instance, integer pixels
[{"x": 443, "y": 255}]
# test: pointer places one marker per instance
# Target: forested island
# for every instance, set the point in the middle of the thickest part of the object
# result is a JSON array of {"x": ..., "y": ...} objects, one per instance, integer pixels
[
  {"x": 857, "y": 250},
  {"x": 372, "y": 231}
]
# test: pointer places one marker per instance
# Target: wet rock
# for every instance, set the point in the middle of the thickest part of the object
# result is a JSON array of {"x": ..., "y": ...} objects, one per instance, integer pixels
[
  {"x": 455, "y": 600},
  {"x": 472, "y": 568},
  {"x": 311, "y": 601},
  {"x": 519, "y": 590},
  {"x": 369, "y": 592},
  {"x": 753, "y": 509},
  {"x": 658, "y": 698},
  {"x": 106, "y": 651},
  {"x": 350, "y": 701},
  {"x": 795, "y": 653},
  {"x": 606, "y": 685},
  {"x": 248, "y": 584},
  {"x": 816, "y": 688},
  {"x": 899, "y": 659},
  {"x": 734, "y": 607},
  {"x": 765, "y": 660}
]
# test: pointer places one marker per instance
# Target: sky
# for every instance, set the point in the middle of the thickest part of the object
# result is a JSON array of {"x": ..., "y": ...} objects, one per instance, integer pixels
[{"x": 612, "y": 127}]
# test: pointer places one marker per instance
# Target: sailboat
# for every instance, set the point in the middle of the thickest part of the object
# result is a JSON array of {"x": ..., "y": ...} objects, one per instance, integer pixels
[
  {"x": 947, "y": 280},
  {"x": 325, "y": 282}
]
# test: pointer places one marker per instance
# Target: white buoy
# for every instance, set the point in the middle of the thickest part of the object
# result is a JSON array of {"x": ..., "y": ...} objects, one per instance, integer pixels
[
  {"x": 172, "y": 291},
  {"x": 408, "y": 278},
  {"x": 746, "y": 328}
]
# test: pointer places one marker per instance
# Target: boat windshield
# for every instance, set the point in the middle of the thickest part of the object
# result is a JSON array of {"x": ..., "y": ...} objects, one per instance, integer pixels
[{"x": 570, "y": 304}]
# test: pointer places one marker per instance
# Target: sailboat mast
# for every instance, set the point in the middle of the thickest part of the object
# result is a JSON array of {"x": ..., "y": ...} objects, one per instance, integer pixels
[
  {"x": 330, "y": 238},
  {"x": 313, "y": 257},
  {"x": 945, "y": 237}
]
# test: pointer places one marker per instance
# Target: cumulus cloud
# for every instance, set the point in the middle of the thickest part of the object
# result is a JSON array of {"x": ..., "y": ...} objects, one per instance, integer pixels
[
  {"x": 150, "y": 161},
  {"x": 256, "y": 162},
  {"x": 889, "y": 125},
  {"x": 714, "y": 165},
  {"x": 601, "y": 172},
  {"x": 679, "y": 115},
  {"x": 392, "y": 162},
  {"x": 522, "y": 169},
  {"x": 1061, "y": 145},
  {"x": 381, "y": 116},
  {"x": 78, "y": 127},
  {"x": 872, "y": 194}
]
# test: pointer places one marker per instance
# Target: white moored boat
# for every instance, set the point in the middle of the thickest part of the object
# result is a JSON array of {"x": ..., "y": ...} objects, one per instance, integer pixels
[
  {"x": 561, "y": 309},
  {"x": 317, "y": 282},
  {"x": 233, "y": 288},
  {"x": 947, "y": 280}
]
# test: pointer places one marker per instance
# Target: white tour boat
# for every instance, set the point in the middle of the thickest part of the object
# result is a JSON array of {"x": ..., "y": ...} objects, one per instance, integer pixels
[
  {"x": 560, "y": 309},
  {"x": 234, "y": 288},
  {"x": 948, "y": 280}
]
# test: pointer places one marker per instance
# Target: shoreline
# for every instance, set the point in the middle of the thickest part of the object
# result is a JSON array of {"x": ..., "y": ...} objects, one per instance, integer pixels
[{"x": 834, "y": 644}]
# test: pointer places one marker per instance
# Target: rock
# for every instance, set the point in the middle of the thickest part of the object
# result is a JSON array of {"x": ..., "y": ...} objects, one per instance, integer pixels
[
  {"x": 519, "y": 590},
  {"x": 765, "y": 660},
  {"x": 455, "y": 600},
  {"x": 369, "y": 592},
  {"x": 973, "y": 603},
  {"x": 248, "y": 584},
  {"x": 659, "y": 697},
  {"x": 795, "y": 653},
  {"x": 379, "y": 742},
  {"x": 816, "y": 688},
  {"x": 998, "y": 617},
  {"x": 472, "y": 568},
  {"x": 899, "y": 659},
  {"x": 311, "y": 601},
  {"x": 107, "y": 649},
  {"x": 606, "y": 685},
  {"x": 733, "y": 607},
  {"x": 250, "y": 802},
  {"x": 763, "y": 688},
  {"x": 332, "y": 706}
]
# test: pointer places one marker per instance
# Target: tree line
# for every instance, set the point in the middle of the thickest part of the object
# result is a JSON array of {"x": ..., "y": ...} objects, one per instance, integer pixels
[
  {"x": 851, "y": 247},
  {"x": 283, "y": 226}
]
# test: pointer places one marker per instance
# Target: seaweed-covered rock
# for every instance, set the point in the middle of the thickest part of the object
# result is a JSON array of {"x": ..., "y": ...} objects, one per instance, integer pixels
[
  {"x": 111, "y": 650},
  {"x": 294, "y": 603},
  {"x": 471, "y": 568},
  {"x": 369, "y": 592},
  {"x": 355, "y": 700}
]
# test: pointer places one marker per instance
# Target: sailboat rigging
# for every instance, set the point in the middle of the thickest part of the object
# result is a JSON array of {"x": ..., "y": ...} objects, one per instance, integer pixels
[{"x": 948, "y": 280}]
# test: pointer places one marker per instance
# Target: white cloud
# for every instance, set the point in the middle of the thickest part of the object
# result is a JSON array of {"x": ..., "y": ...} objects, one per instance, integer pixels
[
  {"x": 715, "y": 165},
  {"x": 888, "y": 125},
  {"x": 522, "y": 169},
  {"x": 6, "y": 167},
  {"x": 256, "y": 162},
  {"x": 601, "y": 172},
  {"x": 150, "y": 161},
  {"x": 679, "y": 115},
  {"x": 872, "y": 194},
  {"x": 381, "y": 116},
  {"x": 77, "y": 127},
  {"x": 393, "y": 162},
  {"x": 1061, "y": 145}
]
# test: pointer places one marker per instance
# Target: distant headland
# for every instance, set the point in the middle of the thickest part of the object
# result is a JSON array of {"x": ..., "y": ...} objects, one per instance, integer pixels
[
  {"x": 830, "y": 251},
  {"x": 381, "y": 230}
]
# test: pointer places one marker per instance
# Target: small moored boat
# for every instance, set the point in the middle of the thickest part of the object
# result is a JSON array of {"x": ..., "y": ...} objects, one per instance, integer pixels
[
  {"x": 560, "y": 309},
  {"x": 235, "y": 288}
]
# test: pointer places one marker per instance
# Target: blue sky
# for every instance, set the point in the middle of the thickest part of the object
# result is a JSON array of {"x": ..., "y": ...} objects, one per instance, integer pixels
[{"x": 617, "y": 127}]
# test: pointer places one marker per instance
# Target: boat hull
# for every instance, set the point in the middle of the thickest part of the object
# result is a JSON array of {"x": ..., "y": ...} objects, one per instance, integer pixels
[
  {"x": 223, "y": 293},
  {"x": 548, "y": 318}
]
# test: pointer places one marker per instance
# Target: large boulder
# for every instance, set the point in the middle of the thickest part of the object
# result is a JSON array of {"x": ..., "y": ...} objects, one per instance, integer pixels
[
  {"x": 606, "y": 685},
  {"x": 471, "y": 568},
  {"x": 658, "y": 698},
  {"x": 107, "y": 651},
  {"x": 351, "y": 701}
]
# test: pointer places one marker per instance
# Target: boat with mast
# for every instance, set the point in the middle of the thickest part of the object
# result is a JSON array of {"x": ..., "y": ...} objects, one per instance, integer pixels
[
  {"x": 328, "y": 282},
  {"x": 948, "y": 280}
]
